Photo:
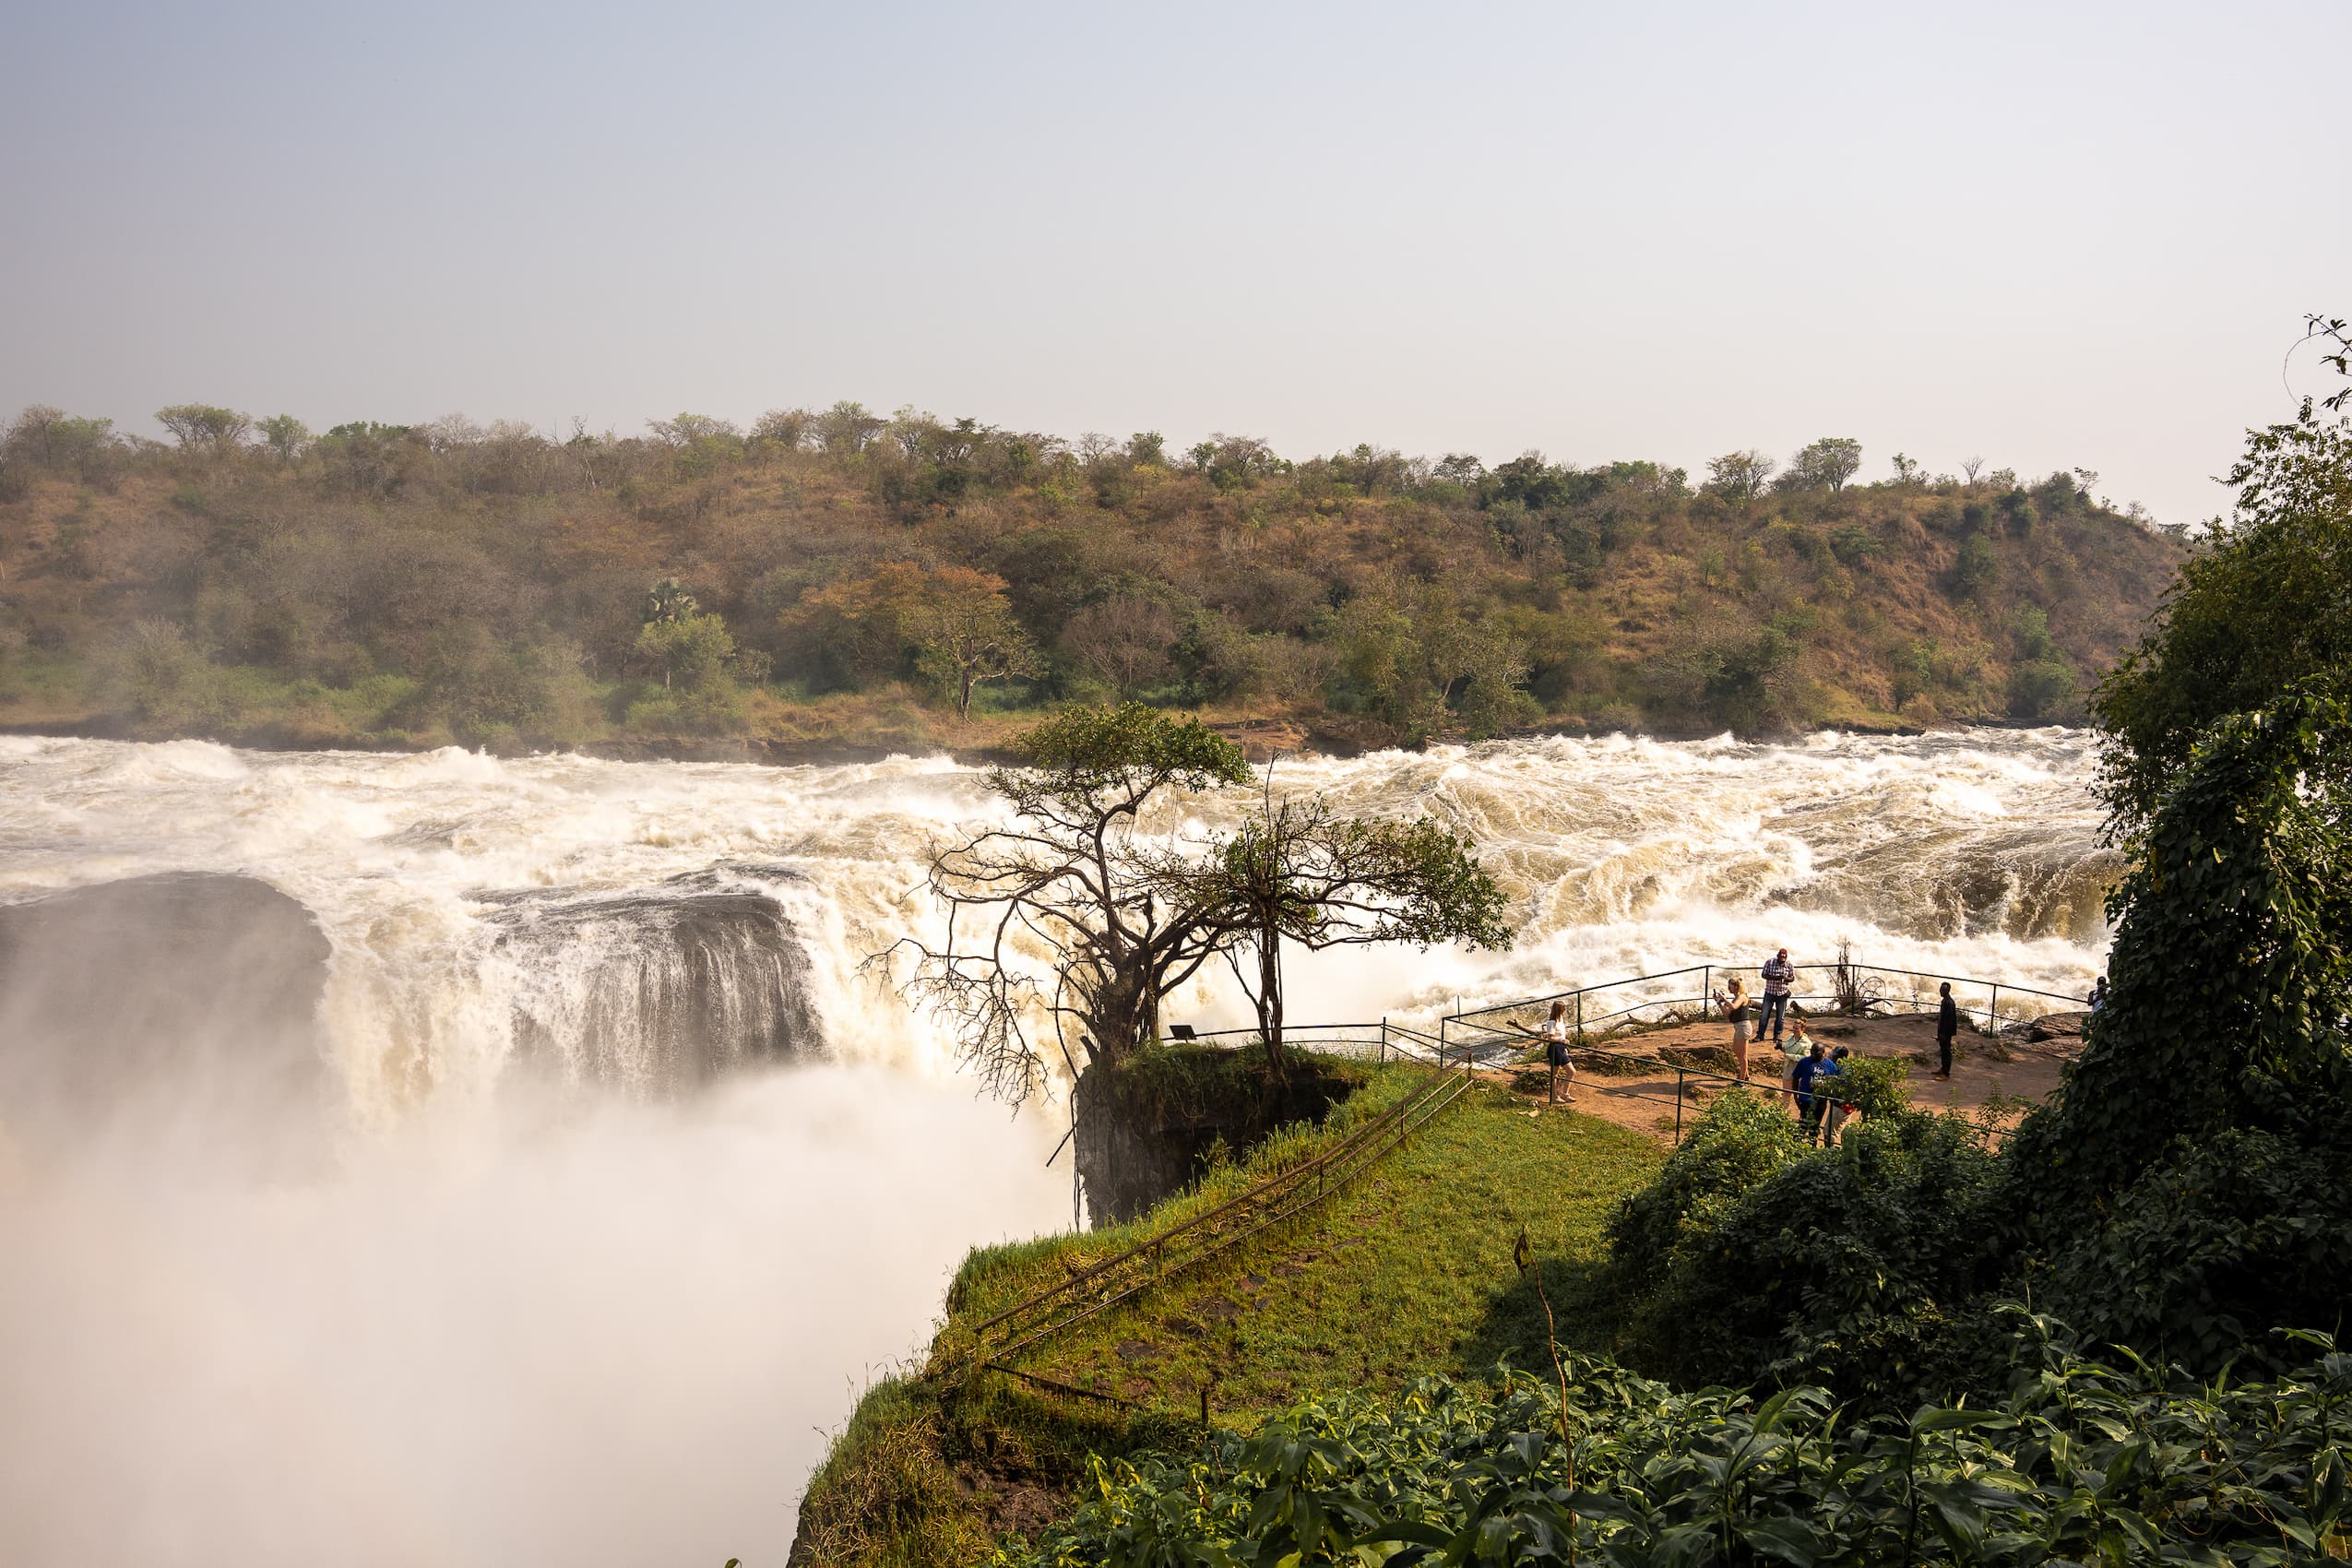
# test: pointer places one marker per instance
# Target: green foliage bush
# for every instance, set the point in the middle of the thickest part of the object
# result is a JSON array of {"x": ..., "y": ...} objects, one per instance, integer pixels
[
  {"x": 1741, "y": 1142},
  {"x": 1754, "y": 1255},
  {"x": 2259, "y": 607},
  {"x": 2225, "y": 1029},
  {"x": 2082, "y": 1462}
]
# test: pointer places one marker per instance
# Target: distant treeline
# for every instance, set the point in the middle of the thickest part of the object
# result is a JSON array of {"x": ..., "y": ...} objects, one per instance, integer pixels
[{"x": 848, "y": 575}]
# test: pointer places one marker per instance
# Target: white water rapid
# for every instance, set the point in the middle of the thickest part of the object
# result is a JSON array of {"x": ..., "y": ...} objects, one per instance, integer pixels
[{"x": 624, "y": 1177}]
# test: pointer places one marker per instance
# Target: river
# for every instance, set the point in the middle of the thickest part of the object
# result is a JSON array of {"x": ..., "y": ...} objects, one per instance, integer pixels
[{"x": 626, "y": 1177}]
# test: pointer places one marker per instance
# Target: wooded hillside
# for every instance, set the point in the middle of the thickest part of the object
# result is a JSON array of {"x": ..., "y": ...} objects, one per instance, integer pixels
[{"x": 841, "y": 577}]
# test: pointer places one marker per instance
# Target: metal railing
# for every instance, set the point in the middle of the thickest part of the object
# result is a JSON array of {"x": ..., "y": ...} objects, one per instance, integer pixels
[
  {"x": 1380, "y": 1041},
  {"x": 1664, "y": 1008}
]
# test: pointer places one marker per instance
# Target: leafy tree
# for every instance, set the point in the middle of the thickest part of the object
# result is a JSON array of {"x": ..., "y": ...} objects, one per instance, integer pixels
[
  {"x": 1827, "y": 464},
  {"x": 2233, "y": 931},
  {"x": 966, "y": 635},
  {"x": 2260, "y": 605},
  {"x": 1424, "y": 670},
  {"x": 1460, "y": 468},
  {"x": 1295, "y": 873},
  {"x": 783, "y": 430},
  {"x": 950, "y": 625},
  {"x": 285, "y": 435},
  {"x": 204, "y": 426},
  {"x": 861, "y": 626},
  {"x": 1740, "y": 477},
  {"x": 1852, "y": 544},
  {"x": 2045, "y": 689},
  {"x": 689, "y": 429},
  {"x": 1977, "y": 568},
  {"x": 1067, "y": 874},
  {"x": 848, "y": 427},
  {"x": 669, "y": 601},
  {"x": 690, "y": 649},
  {"x": 1237, "y": 462}
]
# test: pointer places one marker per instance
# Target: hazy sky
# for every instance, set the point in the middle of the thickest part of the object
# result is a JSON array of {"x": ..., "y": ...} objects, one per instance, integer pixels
[{"x": 2054, "y": 235}]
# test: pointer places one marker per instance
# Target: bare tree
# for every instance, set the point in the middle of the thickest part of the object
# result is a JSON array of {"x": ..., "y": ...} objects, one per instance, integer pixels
[
  {"x": 1124, "y": 640},
  {"x": 966, "y": 635},
  {"x": 1971, "y": 468}
]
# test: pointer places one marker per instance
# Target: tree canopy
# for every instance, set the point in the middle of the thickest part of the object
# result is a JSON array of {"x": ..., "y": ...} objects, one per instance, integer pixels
[
  {"x": 1065, "y": 888},
  {"x": 1071, "y": 914},
  {"x": 2261, "y": 604},
  {"x": 1296, "y": 874},
  {"x": 855, "y": 558}
]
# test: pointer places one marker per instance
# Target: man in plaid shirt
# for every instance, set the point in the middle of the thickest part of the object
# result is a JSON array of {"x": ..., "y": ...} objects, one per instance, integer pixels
[{"x": 1778, "y": 974}]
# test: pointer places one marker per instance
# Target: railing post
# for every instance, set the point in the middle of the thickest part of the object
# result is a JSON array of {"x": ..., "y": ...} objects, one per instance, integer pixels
[
  {"x": 1678, "y": 1107},
  {"x": 1580, "y": 1017},
  {"x": 1384, "y": 1048},
  {"x": 1706, "y": 994},
  {"x": 1996, "y": 1010}
]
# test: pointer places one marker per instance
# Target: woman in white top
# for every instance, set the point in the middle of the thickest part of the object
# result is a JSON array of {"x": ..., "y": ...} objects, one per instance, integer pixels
[
  {"x": 1799, "y": 1045},
  {"x": 1734, "y": 1004},
  {"x": 1554, "y": 1035}
]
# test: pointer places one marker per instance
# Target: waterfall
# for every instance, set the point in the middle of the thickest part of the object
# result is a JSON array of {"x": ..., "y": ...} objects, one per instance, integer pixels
[{"x": 628, "y": 1171}]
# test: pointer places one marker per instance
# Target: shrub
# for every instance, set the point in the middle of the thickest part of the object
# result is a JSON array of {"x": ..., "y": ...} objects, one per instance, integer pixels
[
  {"x": 1979, "y": 567},
  {"x": 1742, "y": 1141},
  {"x": 2083, "y": 1462},
  {"x": 1763, "y": 1257}
]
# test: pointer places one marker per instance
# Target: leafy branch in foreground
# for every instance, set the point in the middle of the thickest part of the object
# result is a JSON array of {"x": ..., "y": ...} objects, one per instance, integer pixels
[
  {"x": 2084, "y": 1463},
  {"x": 2333, "y": 329}
]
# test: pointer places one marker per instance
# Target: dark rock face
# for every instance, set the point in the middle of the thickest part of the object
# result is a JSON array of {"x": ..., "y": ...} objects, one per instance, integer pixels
[
  {"x": 1132, "y": 1156},
  {"x": 2058, "y": 1026},
  {"x": 661, "y": 990},
  {"x": 162, "y": 1007}
]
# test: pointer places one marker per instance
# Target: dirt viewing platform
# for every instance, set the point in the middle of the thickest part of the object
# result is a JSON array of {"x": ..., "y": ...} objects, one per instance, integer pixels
[{"x": 1632, "y": 1080}]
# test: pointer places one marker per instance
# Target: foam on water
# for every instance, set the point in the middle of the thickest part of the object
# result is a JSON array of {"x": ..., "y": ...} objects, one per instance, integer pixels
[{"x": 1971, "y": 853}]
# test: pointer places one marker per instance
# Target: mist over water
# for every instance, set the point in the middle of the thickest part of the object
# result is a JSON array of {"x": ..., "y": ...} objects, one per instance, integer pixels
[{"x": 622, "y": 1177}]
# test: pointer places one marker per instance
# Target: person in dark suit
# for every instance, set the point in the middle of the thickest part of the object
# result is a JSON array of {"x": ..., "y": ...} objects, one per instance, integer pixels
[{"x": 1947, "y": 1024}]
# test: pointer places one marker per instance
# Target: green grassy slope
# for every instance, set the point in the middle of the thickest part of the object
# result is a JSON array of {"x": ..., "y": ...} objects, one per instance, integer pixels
[{"x": 1408, "y": 1271}]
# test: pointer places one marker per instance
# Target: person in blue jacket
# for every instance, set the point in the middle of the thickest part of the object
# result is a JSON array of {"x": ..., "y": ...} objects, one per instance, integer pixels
[{"x": 1806, "y": 1076}]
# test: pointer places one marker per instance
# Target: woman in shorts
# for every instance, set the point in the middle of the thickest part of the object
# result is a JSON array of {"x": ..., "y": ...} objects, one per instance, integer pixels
[
  {"x": 1554, "y": 1035},
  {"x": 1734, "y": 1002}
]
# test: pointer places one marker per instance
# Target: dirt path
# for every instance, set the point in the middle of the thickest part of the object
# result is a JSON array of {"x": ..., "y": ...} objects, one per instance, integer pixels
[{"x": 1637, "y": 1096}]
